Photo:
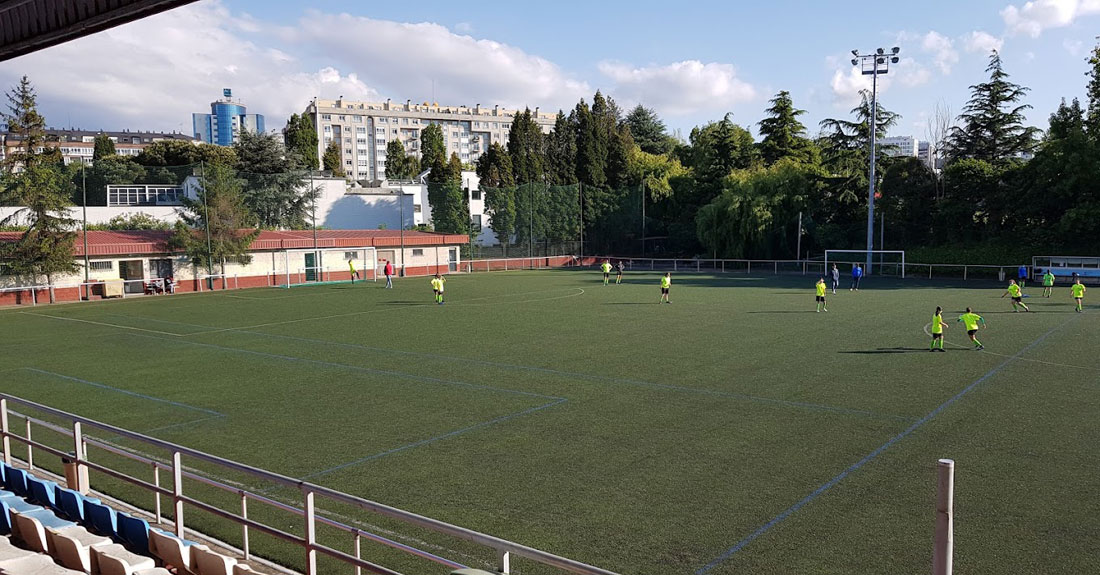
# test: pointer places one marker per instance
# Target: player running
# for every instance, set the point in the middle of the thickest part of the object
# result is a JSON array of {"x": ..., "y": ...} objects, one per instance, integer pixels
[
  {"x": 857, "y": 274},
  {"x": 666, "y": 285},
  {"x": 619, "y": 272},
  {"x": 1017, "y": 296},
  {"x": 1048, "y": 283},
  {"x": 821, "y": 305},
  {"x": 606, "y": 268},
  {"x": 937, "y": 330},
  {"x": 971, "y": 321},
  {"x": 354, "y": 274},
  {"x": 1078, "y": 290}
]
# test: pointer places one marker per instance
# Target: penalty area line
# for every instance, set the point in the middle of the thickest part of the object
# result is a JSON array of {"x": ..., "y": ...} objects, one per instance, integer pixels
[{"x": 824, "y": 487}]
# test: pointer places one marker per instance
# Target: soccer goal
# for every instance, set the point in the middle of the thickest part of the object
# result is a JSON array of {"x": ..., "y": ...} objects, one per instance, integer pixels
[
  {"x": 888, "y": 262},
  {"x": 306, "y": 266}
]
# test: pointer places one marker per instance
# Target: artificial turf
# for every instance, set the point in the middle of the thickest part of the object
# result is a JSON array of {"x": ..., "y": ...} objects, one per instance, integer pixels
[{"x": 734, "y": 430}]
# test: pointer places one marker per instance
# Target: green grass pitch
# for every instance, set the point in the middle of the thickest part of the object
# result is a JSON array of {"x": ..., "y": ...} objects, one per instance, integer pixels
[{"x": 732, "y": 431}]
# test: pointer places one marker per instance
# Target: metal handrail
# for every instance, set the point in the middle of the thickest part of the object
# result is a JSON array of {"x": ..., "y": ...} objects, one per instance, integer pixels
[{"x": 501, "y": 546}]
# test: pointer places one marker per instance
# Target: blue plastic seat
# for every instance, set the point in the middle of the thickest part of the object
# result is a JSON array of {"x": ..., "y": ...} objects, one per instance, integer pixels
[
  {"x": 100, "y": 518},
  {"x": 17, "y": 503},
  {"x": 41, "y": 491},
  {"x": 71, "y": 504},
  {"x": 16, "y": 481},
  {"x": 5, "y": 520},
  {"x": 134, "y": 533}
]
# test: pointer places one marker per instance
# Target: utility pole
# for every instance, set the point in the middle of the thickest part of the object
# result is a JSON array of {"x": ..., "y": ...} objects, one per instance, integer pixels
[
  {"x": 313, "y": 208},
  {"x": 879, "y": 64},
  {"x": 643, "y": 217},
  {"x": 401, "y": 214},
  {"x": 798, "y": 250},
  {"x": 206, "y": 212},
  {"x": 84, "y": 193}
]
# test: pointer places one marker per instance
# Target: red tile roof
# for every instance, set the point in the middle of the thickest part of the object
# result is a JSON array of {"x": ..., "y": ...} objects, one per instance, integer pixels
[{"x": 151, "y": 242}]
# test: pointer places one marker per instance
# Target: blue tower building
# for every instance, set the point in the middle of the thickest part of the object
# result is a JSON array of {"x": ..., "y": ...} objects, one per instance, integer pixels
[{"x": 225, "y": 122}]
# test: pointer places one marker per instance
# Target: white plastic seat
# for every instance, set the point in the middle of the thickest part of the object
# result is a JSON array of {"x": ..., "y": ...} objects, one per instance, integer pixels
[
  {"x": 153, "y": 571},
  {"x": 30, "y": 527},
  {"x": 172, "y": 550},
  {"x": 115, "y": 559},
  {"x": 71, "y": 546},
  {"x": 37, "y": 564},
  {"x": 207, "y": 562},
  {"x": 242, "y": 569},
  {"x": 9, "y": 552}
]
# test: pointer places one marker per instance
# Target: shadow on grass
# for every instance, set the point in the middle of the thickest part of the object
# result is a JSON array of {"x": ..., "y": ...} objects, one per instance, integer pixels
[{"x": 888, "y": 350}]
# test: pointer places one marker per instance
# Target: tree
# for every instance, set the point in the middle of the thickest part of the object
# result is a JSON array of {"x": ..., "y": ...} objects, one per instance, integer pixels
[
  {"x": 134, "y": 221},
  {"x": 1093, "y": 94},
  {"x": 432, "y": 146},
  {"x": 450, "y": 208},
  {"x": 719, "y": 148},
  {"x": 275, "y": 191},
  {"x": 649, "y": 131},
  {"x": 561, "y": 151},
  {"x": 104, "y": 147},
  {"x": 783, "y": 135},
  {"x": 992, "y": 123},
  {"x": 494, "y": 168},
  {"x": 525, "y": 146},
  {"x": 216, "y": 226},
  {"x": 300, "y": 140},
  {"x": 908, "y": 202},
  {"x": 331, "y": 160},
  {"x": 399, "y": 165},
  {"x": 500, "y": 204},
  {"x": 106, "y": 171},
  {"x": 939, "y": 127},
  {"x": 35, "y": 179}
]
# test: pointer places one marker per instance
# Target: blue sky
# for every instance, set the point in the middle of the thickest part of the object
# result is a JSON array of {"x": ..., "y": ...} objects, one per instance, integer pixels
[{"x": 692, "y": 61}]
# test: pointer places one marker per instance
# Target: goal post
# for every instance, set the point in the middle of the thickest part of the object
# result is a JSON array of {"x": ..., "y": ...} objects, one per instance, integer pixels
[
  {"x": 895, "y": 263},
  {"x": 312, "y": 266}
]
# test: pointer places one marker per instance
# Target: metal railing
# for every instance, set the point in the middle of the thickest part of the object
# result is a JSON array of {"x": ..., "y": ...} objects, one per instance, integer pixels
[
  {"x": 807, "y": 267},
  {"x": 309, "y": 511}
]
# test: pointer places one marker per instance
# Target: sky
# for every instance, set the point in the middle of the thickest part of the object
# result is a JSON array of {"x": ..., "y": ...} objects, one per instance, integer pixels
[{"x": 693, "y": 62}]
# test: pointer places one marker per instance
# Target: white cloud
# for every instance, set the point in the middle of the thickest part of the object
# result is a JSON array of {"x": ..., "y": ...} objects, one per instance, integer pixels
[
  {"x": 1075, "y": 47},
  {"x": 680, "y": 88},
  {"x": 406, "y": 59},
  {"x": 1039, "y": 15},
  {"x": 942, "y": 50},
  {"x": 464, "y": 28},
  {"x": 154, "y": 73},
  {"x": 846, "y": 84},
  {"x": 848, "y": 80},
  {"x": 983, "y": 42}
]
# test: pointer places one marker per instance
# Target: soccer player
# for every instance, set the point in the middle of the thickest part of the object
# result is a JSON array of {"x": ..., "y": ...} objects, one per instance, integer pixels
[
  {"x": 1048, "y": 283},
  {"x": 388, "y": 270},
  {"x": 666, "y": 284},
  {"x": 1078, "y": 290},
  {"x": 821, "y": 305},
  {"x": 606, "y": 268},
  {"x": 1021, "y": 274},
  {"x": 435, "y": 288},
  {"x": 1017, "y": 296},
  {"x": 857, "y": 273},
  {"x": 971, "y": 321},
  {"x": 619, "y": 272},
  {"x": 836, "y": 278},
  {"x": 937, "y": 330},
  {"x": 439, "y": 282},
  {"x": 354, "y": 274}
]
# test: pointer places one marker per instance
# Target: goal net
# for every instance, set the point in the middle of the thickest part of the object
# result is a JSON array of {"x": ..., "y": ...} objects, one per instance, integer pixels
[
  {"x": 308, "y": 266},
  {"x": 883, "y": 262}
]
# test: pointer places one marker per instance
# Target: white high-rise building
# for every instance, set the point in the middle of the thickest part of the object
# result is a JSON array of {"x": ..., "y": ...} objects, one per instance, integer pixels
[
  {"x": 899, "y": 146},
  {"x": 363, "y": 129},
  {"x": 926, "y": 151}
]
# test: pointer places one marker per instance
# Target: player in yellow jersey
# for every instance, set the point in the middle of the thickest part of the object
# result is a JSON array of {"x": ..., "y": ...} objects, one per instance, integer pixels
[
  {"x": 971, "y": 321},
  {"x": 937, "y": 330},
  {"x": 439, "y": 282},
  {"x": 351, "y": 268},
  {"x": 1078, "y": 290},
  {"x": 435, "y": 288},
  {"x": 1048, "y": 283},
  {"x": 605, "y": 267},
  {"x": 1017, "y": 296},
  {"x": 666, "y": 285},
  {"x": 821, "y": 305}
]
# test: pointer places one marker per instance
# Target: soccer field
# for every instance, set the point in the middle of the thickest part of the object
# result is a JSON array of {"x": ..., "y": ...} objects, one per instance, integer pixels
[{"x": 732, "y": 431}]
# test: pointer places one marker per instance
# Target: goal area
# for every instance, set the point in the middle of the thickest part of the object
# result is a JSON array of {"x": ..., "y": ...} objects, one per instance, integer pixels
[
  {"x": 883, "y": 262},
  {"x": 313, "y": 266}
]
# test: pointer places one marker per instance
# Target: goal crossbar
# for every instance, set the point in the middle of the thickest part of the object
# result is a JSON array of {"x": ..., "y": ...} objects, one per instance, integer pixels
[{"x": 865, "y": 252}]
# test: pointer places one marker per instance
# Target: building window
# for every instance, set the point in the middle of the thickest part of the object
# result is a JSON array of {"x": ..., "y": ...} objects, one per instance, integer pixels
[
  {"x": 326, "y": 116},
  {"x": 363, "y": 162},
  {"x": 454, "y": 134},
  {"x": 361, "y": 141},
  {"x": 476, "y": 221},
  {"x": 416, "y": 208},
  {"x": 101, "y": 266},
  {"x": 381, "y": 120},
  {"x": 418, "y": 252},
  {"x": 476, "y": 194},
  {"x": 348, "y": 162},
  {"x": 328, "y": 129},
  {"x": 347, "y": 151},
  {"x": 341, "y": 118},
  {"x": 360, "y": 130},
  {"x": 357, "y": 118}
]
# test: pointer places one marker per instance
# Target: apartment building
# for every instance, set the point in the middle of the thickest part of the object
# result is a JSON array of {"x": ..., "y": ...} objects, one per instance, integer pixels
[
  {"x": 364, "y": 128},
  {"x": 79, "y": 145}
]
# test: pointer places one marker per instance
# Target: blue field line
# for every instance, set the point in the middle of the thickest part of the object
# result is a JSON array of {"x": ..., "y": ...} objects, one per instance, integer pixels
[
  {"x": 124, "y": 391},
  {"x": 423, "y": 442},
  {"x": 391, "y": 373},
  {"x": 869, "y": 457}
]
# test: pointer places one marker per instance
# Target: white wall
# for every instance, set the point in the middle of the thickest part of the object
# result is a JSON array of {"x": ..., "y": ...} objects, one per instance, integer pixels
[{"x": 104, "y": 214}]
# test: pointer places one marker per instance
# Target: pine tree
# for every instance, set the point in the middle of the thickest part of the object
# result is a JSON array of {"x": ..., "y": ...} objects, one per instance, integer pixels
[
  {"x": 648, "y": 131},
  {"x": 276, "y": 190},
  {"x": 300, "y": 141},
  {"x": 591, "y": 164},
  {"x": 104, "y": 146},
  {"x": 992, "y": 121},
  {"x": 397, "y": 162},
  {"x": 217, "y": 226},
  {"x": 432, "y": 146},
  {"x": 561, "y": 151},
  {"x": 526, "y": 148},
  {"x": 783, "y": 135},
  {"x": 450, "y": 208},
  {"x": 36, "y": 180},
  {"x": 1093, "y": 94},
  {"x": 494, "y": 168},
  {"x": 331, "y": 160}
]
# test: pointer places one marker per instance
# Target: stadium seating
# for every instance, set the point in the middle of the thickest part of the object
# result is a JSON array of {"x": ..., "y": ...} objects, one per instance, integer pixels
[
  {"x": 172, "y": 550},
  {"x": 207, "y": 562},
  {"x": 71, "y": 504},
  {"x": 115, "y": 558},
  {"x": 15, "y": 480},
  {"x": 133, "y": 533},
  {"x": 72, "y": 547},
  {"x": 30, "y": 527},
  {"x": 100, "y": 518}
]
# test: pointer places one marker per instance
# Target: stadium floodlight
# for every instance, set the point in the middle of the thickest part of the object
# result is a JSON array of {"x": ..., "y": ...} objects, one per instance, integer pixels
[{"x": 873, "y": 65}]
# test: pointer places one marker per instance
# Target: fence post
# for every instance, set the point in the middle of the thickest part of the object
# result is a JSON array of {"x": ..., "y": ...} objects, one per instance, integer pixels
[
  {"x": 504, "y": 561},
  {"x": 4, "y": 430},
  {"x": 244, "y": 526},
  {"x": 748, "y": 266},
  {"x": 697, "y": 265},
  {"x": 311, "y": 532},
  {"x": 929, "y": 271},
  {"x": 81, "y": 469},
  {"x": 358, "y": 551},
  {"x": 156, "y": 496},
  {"x": 945, "y": 501},
  {"x": 177, "y": 492},
  {"x": 652, "y": 265},
  {"x": 30, "y": 448},
  {"x": 674, "y": 262},
  {"x": 964, "y": 273},
  {"x": 776, "y": 267}
]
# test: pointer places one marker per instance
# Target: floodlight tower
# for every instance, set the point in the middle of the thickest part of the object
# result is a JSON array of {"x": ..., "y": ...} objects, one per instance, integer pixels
[{"x": 872, "y": 65}]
